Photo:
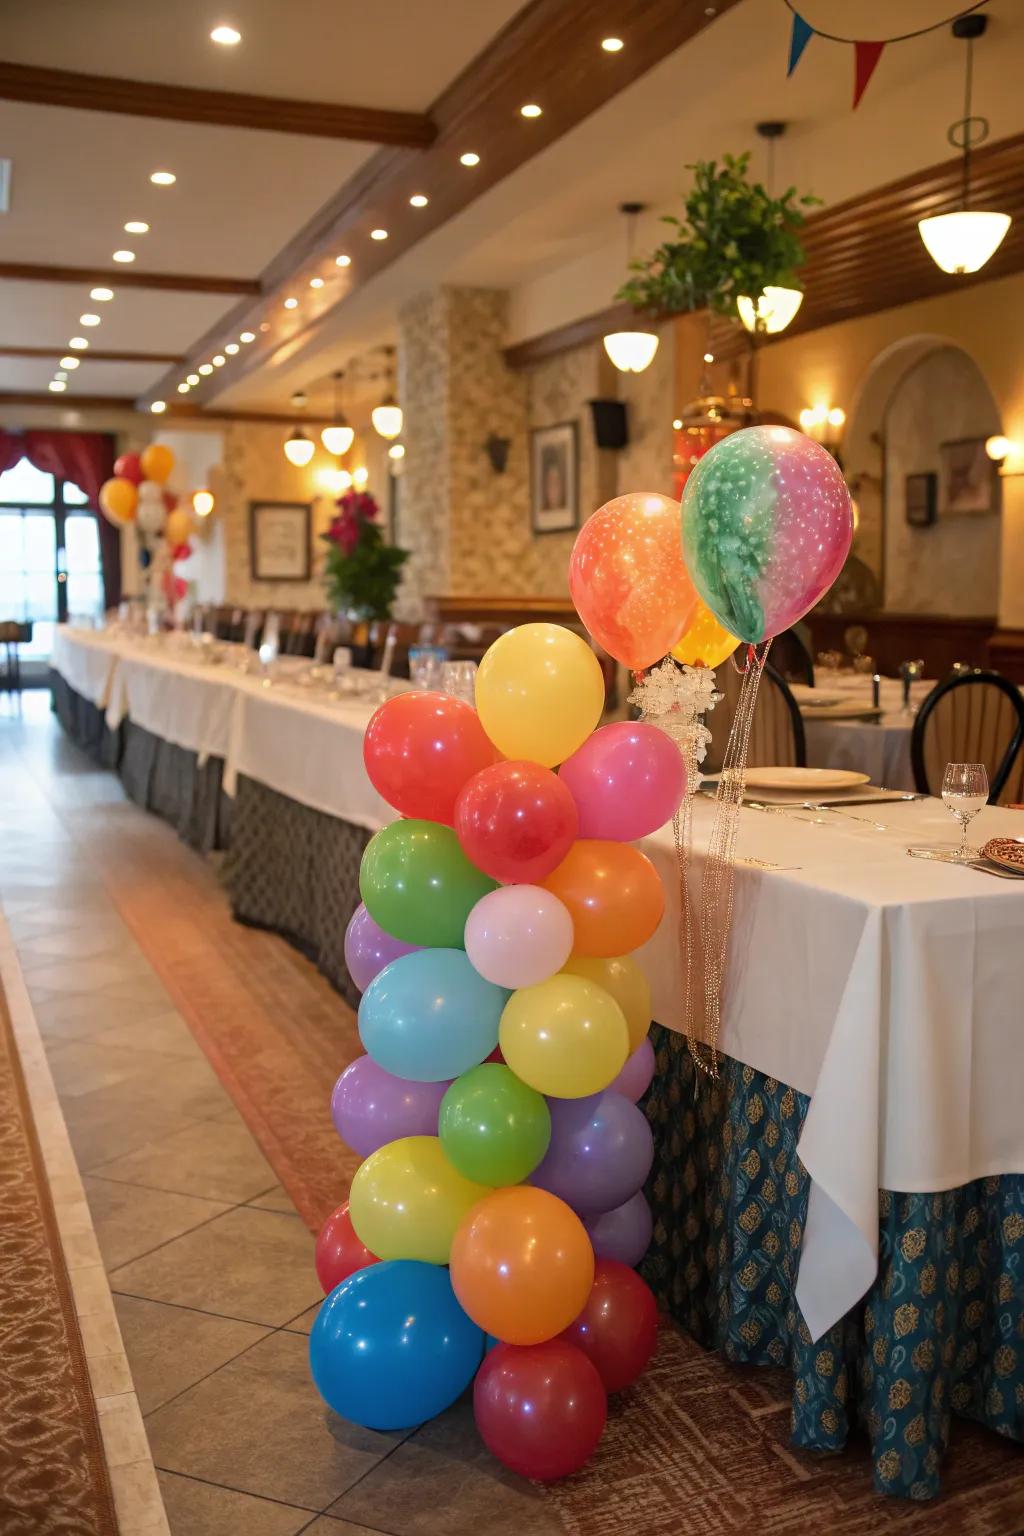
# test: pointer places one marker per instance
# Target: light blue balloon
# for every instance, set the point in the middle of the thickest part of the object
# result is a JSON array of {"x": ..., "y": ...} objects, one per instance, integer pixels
[
  {"x": 391, "y": 1347},
  {"x": 430, "y": 1016}
]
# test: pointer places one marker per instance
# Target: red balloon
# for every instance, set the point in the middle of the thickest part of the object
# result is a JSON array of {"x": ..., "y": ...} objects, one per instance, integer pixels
[
  {"x": 419, "y": 750},
  {"x": 181, "y": 551},
  {"x": 618, "y": 1328},
  {"x": 540, "y": 1408},
  {"x": 516, "y": 821},
  {"x": 170, "y": 500},
  {"x": 339, "y": 1253},
  {"x": 127, "y": 466}
]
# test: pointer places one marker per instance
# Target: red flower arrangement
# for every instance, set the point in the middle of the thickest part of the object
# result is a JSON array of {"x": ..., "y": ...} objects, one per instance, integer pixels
[{"x": 362, "y": 571}]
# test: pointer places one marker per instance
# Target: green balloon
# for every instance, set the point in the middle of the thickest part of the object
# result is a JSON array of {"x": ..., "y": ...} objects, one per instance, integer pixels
[
  {"x": 418, "y": 884},
  {"x": 494, "y": 1128}
]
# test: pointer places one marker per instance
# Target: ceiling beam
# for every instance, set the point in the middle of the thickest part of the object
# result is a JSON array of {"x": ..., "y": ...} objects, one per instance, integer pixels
[
  {"x": 577, "y": 333},
  {"x": 223, "y": 109},
  {"x": 83, "y": 402},
  {"x": 121, "y": 277},
  {"x": 91, "y": 356},
  {"x": 174, "y": 411}
]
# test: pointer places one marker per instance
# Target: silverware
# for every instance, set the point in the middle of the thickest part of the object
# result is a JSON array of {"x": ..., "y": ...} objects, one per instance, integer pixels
[{"x": 987, "y": 868}]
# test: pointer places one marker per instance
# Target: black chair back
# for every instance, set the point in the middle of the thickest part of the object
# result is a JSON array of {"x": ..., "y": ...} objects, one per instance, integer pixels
[{"x": 972, "y": 717}]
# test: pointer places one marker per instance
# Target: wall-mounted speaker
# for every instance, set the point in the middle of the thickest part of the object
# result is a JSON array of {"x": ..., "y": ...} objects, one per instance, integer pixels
[{"x": 611, "y": 425}]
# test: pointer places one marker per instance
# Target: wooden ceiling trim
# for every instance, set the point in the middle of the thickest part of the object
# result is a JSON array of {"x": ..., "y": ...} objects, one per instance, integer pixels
[
  {"x": 222, "y": 109},
  {"x": 174, "y": 411},
  {"x": 125, "y": 277},
  {"x": 65, "y": 402},
  {"x": 526, "y": 354},
  {"x": 92, "y": 356}
]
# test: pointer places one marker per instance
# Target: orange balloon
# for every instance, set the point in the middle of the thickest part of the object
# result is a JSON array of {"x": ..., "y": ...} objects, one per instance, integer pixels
[
  {"x": 156, "y": 462},
  {"x": 628, "y": 580},
  {"x": 706, "y": 643},
  {"x": 118, "y": 500},
  {"x": 522, "y": 1265},
  {"x": 613, "y": 894},
  {"x": 178, "y": 527}
]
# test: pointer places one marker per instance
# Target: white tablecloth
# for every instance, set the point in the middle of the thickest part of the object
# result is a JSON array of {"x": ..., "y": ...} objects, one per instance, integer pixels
[
  {"x": 87, "y": 662},
  {"x": 886, "y": 988},
  {"x": 879, "y": 748},
  {"x": 191, "y": 705}
]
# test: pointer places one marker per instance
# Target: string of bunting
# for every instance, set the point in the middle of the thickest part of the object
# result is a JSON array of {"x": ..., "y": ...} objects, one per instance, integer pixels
[{"x": 867, "y": 51}]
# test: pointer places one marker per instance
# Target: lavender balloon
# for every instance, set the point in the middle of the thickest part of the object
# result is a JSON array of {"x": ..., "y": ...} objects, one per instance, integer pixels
[
  {"x": 600, "y": 1152},
  {"x": 368, "y": 949},
  {"x": 627, "y": 780},
  {"x": 635, "y": 1078},
  {"x": 370, "y": 1107},
  {"x": 623, "y": 1234}
]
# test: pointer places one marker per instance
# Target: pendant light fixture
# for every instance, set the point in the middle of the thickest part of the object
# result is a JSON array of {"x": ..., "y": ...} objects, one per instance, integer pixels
[
  {"x": 339, "y": 437},
  {"x": 631, "y": 351},
  {"x": 387, "y": 417},
  {"x": 963, "y": 241},
  {"x": 298, "y": 448},
  {"x": 775, "y": 307}
]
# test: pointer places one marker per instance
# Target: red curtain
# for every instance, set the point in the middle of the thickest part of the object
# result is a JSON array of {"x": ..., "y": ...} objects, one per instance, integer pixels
[{"x": 86, "y": 459}]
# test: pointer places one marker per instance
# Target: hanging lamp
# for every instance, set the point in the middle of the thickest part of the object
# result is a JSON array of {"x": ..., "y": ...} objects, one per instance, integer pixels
[
  {"x": 775, "y": 306},
  {"x": 339, "y": 437},
  {"x": 963, "y": 241},
  {"x": 631, "y": 351},
  {"x": 387, "y": 417},
  {"x": 298, "y": 448}
]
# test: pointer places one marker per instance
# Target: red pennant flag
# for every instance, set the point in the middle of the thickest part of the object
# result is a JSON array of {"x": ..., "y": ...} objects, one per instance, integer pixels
[{"x": 866, "y": 57}]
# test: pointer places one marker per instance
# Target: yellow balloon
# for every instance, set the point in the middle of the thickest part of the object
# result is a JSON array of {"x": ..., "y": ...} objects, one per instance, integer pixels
[
  {"x": 118, "y": 500},
  {"x": 407, "y": 1200},
  {"x": 539, "y": 693},
  {"x": 179, "y": 527},
  {"x": 566, "y": 1037},
  {"x": 156, "y": 461},
  {"x": 706, "y": 643},
  {"x": 626, "y": 982}
]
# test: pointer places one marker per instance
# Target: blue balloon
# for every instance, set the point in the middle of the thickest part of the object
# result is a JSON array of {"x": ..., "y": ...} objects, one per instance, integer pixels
[
  {"x": 430, "y": 1016},
  {"x": 391, "y": 1346}
]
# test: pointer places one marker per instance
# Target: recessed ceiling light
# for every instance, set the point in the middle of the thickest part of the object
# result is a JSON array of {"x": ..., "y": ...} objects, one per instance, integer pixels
[
  {"x": 316, "y": 282},
  {"x": 136, "y": 227},
  {"x": 57, "y": 386},
  {"x": 291, "y": 303},
  {"x": 60, "y": 374},
  {"x": 469, "y": 158},
  {"x": 193, "y": 379},
  {"x": 231, "y": 348},
  {"x": 183, "y": 389},
  {"x": 88, "y": 319},
  {"x": 677, "y": 425},
  {"x": 612, "y": 44},
  {"x": 247, "y": 336},
  {"x": 343, "y": 261},
  {"x": 378, "y": 234},
  {"x": 124, "y": 255},
  {"x": 70, "y": 362},
  {"x": 418, "y": 200},
  {"x": 219, "y": 360},
  {"x": 158, "y": 407},
  {"x": 163, "y": 178},
  {"x": 264, "y": 325},
  {"x": 226, "y": 36},
  {"x": 205, "y": 368},
  {"x": 530, "y": 110},
  {"x": 78, "y": 343},
  {"x": 101, "y": 295},
  {"x": 396, "y": 451}
]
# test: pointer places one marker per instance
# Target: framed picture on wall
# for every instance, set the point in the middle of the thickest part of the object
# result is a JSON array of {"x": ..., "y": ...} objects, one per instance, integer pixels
[
  {"x": 919, "y": 499},
  {"x": 968, "y": 485},
  {"x": 554, "y": 476},
  {"x": 279, "y": 540}
]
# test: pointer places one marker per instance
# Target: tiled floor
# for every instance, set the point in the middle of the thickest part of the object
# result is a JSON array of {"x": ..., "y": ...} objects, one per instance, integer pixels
[{"x": 210, "y": 1266}]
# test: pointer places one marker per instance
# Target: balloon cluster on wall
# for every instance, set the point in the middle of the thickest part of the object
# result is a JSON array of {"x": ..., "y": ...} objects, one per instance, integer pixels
[
  {"x": 491, "y": 1230},
  {"x": 137, "y": 493}
]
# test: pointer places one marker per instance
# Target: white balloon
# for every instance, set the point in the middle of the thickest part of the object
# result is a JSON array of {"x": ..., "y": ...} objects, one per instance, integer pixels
[
  {"x": 151, "y": 515},
  {"x": 518, "y": 935}
]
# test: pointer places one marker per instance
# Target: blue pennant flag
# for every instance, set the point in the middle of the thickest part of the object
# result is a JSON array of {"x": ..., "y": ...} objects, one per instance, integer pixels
[{"x": 799, "y": 38}]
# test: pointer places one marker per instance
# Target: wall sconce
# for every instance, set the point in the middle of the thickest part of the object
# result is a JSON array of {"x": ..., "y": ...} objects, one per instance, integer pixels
[
  {"x": 1000, "y": 449},
  {"x": 822, "y": 422},
  {"x": 496, "y": 449},
  {"x": 202, "y": 503}
]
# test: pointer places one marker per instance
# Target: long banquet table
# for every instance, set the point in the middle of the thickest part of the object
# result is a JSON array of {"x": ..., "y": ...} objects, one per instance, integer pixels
[{"x": 848, "y": 1198}]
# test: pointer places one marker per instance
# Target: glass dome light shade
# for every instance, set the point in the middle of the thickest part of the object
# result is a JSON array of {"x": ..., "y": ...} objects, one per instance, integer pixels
[
  {"x": 337, "y": 439},
  {"x": 775, "y": 309},
  {"x": 963, "y": 242},
  {"x": 298, "y": 448},
  {"x": 387, "y": 418},
  {"x": 631, "y": 351}
]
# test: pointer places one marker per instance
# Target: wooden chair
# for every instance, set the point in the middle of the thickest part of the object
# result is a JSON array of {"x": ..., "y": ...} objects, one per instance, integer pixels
[
  {"x": 777, "y": 734},
  {"x": 12, "y": 634},
  {"x": 972, "y": 717}
]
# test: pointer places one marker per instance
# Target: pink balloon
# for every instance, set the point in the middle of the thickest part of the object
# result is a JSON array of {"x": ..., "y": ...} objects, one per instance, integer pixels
[
  {"x": 627, "y": 780},
  {"x": 635, "y": 1078},
  {"x": 518, "y": 935}
]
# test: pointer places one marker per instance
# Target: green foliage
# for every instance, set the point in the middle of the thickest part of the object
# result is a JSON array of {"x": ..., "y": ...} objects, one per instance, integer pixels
[
  {"x": 734, "y": 238},
  {"x": 361, "y": 571}
]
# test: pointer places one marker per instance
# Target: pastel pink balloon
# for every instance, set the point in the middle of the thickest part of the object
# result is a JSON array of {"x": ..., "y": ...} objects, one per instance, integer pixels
[
  {"x": 635, "y": 1078},
  {"x": 627, "y": 780},
  {"x": 518, "y": 935}
]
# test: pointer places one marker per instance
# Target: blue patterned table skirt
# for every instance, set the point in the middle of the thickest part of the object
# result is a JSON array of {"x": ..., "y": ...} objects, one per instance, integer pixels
[{"x": 940, "y": 1332}]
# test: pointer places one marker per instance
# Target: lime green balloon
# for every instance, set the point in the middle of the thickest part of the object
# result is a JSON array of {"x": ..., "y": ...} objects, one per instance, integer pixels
[
  {"x": 417, "y": 883},
  {"x": 494, "y": 1128}
]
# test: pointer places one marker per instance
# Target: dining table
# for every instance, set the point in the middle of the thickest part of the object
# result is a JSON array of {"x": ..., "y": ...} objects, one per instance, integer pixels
[{"x": 877, "y": 744}]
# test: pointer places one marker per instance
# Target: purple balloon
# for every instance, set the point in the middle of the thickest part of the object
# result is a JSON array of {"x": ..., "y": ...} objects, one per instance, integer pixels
[
  {"x": 370, "y": 1107},
  {"x": 627, "y": 780},
  {"x": 623, "y": 1234},
  {"x": 368, "y": 949},
  {"x": 635, "y": 1078},
  {"x": 600, "y": 1152}
]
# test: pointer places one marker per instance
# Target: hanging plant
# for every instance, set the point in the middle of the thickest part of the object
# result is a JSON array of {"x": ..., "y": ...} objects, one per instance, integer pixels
[
  {"x": 734, "y": 238},
  {"x": 361, "y": 571}
]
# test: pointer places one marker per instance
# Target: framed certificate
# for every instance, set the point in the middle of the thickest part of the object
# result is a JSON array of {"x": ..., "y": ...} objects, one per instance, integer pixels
[{"x": 279, "y": 533}]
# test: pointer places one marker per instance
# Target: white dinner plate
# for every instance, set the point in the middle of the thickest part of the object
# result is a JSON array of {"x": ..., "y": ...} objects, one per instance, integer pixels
[{"x": 804, "y": 778}]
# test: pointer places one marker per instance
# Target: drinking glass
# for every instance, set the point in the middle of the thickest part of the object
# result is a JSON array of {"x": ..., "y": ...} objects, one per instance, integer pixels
[
  {"x": 458, "y": 678},
  {"x": 964, "y": 793}
]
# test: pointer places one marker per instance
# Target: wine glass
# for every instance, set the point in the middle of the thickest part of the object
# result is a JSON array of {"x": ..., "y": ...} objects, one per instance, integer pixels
[{"x": 964, "y": 792}]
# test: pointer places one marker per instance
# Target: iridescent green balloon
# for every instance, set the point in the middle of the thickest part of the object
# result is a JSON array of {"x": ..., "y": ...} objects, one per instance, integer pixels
[
  {"x": 418, "y": 885},
  {"x": 494, "y": 1128}
]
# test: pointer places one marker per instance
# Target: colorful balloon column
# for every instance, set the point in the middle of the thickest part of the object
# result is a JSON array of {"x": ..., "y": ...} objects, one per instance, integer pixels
[
  {"x": 505, "y": 1028},
  {"x": 135, "y": 494}
]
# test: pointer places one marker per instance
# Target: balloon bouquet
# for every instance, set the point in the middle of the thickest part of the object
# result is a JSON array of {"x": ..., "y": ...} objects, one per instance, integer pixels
[{"x": 137, "y": 493}]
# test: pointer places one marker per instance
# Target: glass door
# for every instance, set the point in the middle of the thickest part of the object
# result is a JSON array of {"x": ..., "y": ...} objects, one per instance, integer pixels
[{"x": 50, "y": 567}]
